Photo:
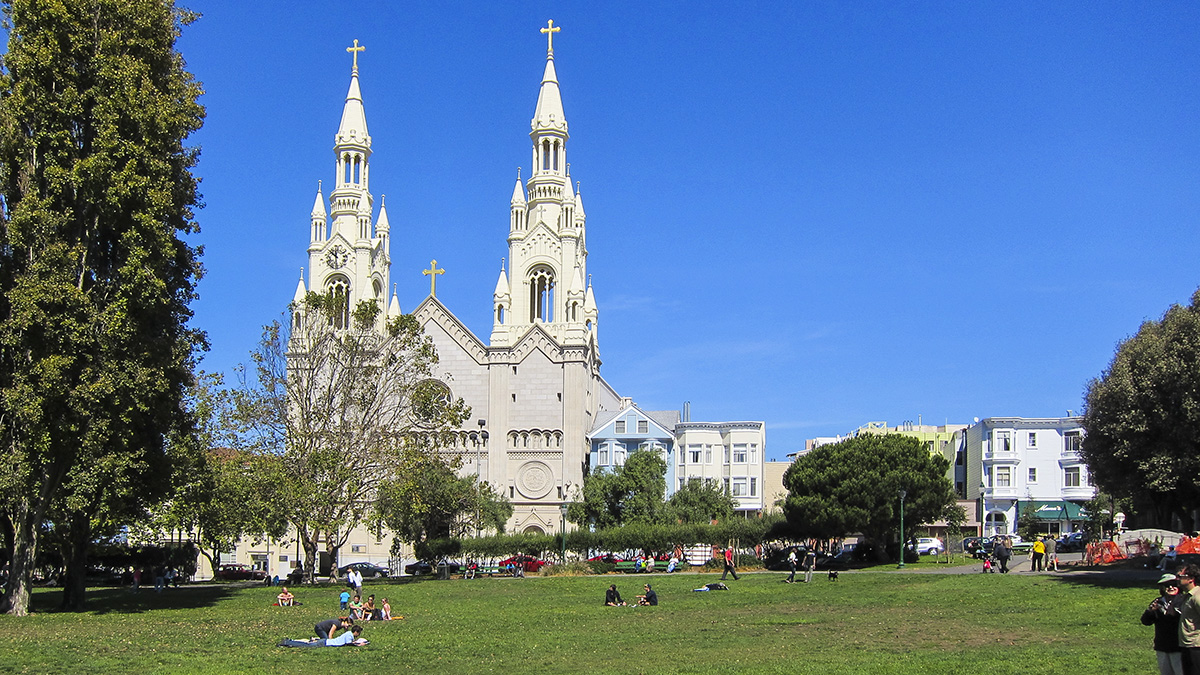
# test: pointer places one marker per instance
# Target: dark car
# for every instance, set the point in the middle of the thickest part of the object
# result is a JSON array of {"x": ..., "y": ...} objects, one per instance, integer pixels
[
  {"x": 368, "y": 570},
  {"x": 1072, "y": 543},
  {"x": 430, "y": 566},
  {"x": 606, "y": 558},
  {"x": 972, "y": 544},
  {"x": 238, "y": 572},
  {"x": 779, "y": 560},
  {"x": 526, "y": 562}
]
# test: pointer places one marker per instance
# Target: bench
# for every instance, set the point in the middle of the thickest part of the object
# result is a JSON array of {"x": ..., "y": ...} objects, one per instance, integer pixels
[
  {"x": 489, "y": 570},
  {"x": 630, "y": 567}
]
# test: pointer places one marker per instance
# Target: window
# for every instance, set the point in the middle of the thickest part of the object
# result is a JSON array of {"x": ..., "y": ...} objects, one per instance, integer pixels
[
  {"x": 358, "y": 548},
  {"x": 541, "y": 295},
  {"x": 753, "y": 453},
  {"x": 739, "y": 453},
  {"x": 619, "y": 454},
  {"x": 602, "y": 456},
  {"x": 1071, "y": 477},
  {"x": 681, "y": 483},
  {"x": 694, "y": 454},
  {"x": 929, "y": 447},
  {"x": 643, "y": 427},
  {"x": 260, "y": 562},
  {"x": 739, "y": 487},
  {"x": 1003, "y": 476},
  {"x": 753, "y": 486},
  {"x": 1072, "y": 440},
  {"x": 960, "y": 458},
  {"x": 620, "y": 426},
  {"x": 283, "y": 558},
  {"x": 1032, "y": 475},
  {"x": 1033, "y": 439},
  {"x": 726, "y": 449},
  {"x": 708, "y": 454},
  {"x": 1003, "y": 442},
  {"x": 726, "y": 486},
  {"x": 339, "y": 288}
]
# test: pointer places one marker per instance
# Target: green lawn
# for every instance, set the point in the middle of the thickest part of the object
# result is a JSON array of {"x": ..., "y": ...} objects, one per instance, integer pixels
[{"x": 867, "y": 622}]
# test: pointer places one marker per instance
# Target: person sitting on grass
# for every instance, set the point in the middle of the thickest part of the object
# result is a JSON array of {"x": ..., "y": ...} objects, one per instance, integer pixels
[
  {"x": 370, "y": 611},
  {"x": 385, "y": 612},
  {"x": 286, "y": 599},
  {"x": 328, "y": 627},
  {"x": 351, "y": 637},
  {"x": 356, "y": 609},
  {"x": 649, "y": 599},
  {"x": 612, "y": 598}
]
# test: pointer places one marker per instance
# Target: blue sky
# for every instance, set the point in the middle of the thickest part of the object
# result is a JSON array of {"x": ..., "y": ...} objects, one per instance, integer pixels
[{"x": 811, "y": 214}]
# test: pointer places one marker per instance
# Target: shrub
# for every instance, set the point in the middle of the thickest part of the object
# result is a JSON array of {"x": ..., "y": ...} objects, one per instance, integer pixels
[
  {"x": 601, "y": 567},
  {"x": 571, "y": 569}
]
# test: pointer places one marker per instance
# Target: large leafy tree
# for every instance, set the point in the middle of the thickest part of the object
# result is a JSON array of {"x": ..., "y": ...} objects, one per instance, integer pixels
[
  {"x": 95, "y": 276},
  {"x": 631, "y": 493},
  {"x": 853, "y": 486},
  {"x": 1142, "y": 418},
  {"x": 332, "y": 408},
  {"x": 699, "y": 501}
]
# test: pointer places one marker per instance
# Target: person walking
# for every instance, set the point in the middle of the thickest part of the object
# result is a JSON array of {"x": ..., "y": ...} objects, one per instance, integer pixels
[
  {"x": 729, "y": 564},
  {"x": 1164, "y": 614},
  {"x": 791, "y": 560},
  {"x": 1051, "y": 554},
  {"x": 1002, "y": 553},
  {"x": 810, "y": 564},
  {"x": 1189, "y": 619}
]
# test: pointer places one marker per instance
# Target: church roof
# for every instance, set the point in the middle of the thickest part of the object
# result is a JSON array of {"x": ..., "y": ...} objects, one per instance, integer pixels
[
  {"x": 353, "y": 128},
  {"x": 319, "y": 205},
  {"x": 382, "y": 224},
  {"x": 518, "y": 196},
  {"x": 394, "y": 305},
  {"x": 301, "y": 291},
  {"x": 502, "y": 287},
  {"x": 549, "y": 110}
]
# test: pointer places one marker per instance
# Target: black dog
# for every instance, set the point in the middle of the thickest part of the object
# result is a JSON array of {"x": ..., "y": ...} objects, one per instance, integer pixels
[{"x": 833, "y": 575}]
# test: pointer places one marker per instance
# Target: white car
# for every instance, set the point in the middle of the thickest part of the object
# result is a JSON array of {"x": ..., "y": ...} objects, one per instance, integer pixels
[{"x": 929, "y": 545}]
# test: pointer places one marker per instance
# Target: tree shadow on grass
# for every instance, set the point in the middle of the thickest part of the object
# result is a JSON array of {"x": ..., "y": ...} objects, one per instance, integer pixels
[
  {"x": 1111, "y": 578},
  {"x": 114, "y": 600}
]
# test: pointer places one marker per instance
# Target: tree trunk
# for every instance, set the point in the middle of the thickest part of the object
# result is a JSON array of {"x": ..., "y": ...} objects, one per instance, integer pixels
[
  {"x": 25, "y": 543},
  {"x": 310, "y": 555},
  {"x": 78, "y": 541}
]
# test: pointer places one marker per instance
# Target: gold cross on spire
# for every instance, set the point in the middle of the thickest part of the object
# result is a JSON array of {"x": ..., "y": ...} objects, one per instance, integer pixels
[
  {"x": 550, "y": 30},
  {"x": 432, "y": 273},
  {"x": 355, "y": 50}
]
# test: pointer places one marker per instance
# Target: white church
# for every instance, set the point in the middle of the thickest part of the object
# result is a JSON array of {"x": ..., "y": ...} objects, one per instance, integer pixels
[{"x": 541, "y": 411}]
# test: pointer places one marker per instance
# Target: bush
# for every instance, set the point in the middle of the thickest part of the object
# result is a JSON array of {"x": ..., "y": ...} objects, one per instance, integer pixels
[
  {"x": 571, "y": 569},
  {"x": 601, "y": 567},
  {"x": 714, "y": 564}
]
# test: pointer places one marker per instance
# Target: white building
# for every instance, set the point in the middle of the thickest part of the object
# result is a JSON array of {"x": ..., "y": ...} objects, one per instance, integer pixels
[{"x": 1009, "y": 464}]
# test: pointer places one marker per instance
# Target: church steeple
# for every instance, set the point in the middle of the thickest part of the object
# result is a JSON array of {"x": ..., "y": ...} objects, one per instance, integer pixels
[
  {"x": 347, "y": 253},
  {"x": 546, "y": 231}
]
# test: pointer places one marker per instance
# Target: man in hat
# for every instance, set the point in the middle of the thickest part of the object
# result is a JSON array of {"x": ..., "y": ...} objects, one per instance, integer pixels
[{"x": 1163, "y": 613}]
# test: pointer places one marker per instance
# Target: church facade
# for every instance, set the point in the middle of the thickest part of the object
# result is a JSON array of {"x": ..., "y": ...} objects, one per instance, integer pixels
[{"x": 539, "y": 404}]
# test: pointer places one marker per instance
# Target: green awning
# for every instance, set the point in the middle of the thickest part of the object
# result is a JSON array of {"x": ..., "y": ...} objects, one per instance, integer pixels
[{"x": 1053, "y": 511}]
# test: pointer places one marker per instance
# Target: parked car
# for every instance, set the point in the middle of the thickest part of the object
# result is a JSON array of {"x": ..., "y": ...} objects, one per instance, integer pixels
[
  {"x": 930, "y": 546},
  {"x": 368, "y": 570},
  {"x": 238, "y": 572},
  {"x": 778, "y": 561},
  {"x": 527, "y": 562},
  {"x": 430, "y": 566},
  {"x": 1072, "y": 542},
  {"x": 606, "y": 558}
]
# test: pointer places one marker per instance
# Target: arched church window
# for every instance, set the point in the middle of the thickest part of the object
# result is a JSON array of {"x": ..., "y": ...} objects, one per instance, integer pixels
[
  {"x": 346, "y": 167},
  {"x": 338, "y": 289},
  {"x": 378, "y": 287},
  {"x": 556, "y": 155},
  {"x": 541, "y": 295},
  {"x": 546, "y": 155},
  {"x": 357, "y": 169},
  {"x": 500, "y": 314}
]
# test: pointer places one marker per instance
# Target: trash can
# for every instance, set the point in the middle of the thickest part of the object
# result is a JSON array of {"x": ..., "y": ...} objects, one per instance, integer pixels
[{"x": 443, "y": 570}]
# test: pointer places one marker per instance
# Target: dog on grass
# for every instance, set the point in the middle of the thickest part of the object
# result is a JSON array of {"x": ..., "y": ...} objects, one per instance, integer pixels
[{"x": 833, "y": 575}]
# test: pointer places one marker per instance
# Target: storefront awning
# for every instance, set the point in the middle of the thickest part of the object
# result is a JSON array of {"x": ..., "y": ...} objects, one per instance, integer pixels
[{"x": 1051, "y": 511}]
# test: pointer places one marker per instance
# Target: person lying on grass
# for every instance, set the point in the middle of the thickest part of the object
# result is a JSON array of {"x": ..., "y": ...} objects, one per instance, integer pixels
[
  {"x": 352, "y": 637},
  {"x": 328, "y": 627}
]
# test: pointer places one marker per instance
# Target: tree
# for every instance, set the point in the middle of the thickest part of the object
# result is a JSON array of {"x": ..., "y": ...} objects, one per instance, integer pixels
[
  {"x": 332, "y": 409},
  {"x": 1142, "y": 419},
  {"x": 632, "y": 493},
  {"x": 427, "y": 500},
  {"x": 95, "y": 278},
  {"x": 853, "y": 486},
  {"x": 699, "y": 501}
]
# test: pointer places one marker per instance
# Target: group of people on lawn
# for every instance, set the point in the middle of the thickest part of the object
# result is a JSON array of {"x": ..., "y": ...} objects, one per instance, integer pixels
[
  {"x": 327, "y": 630},
  {"x": 612, "y": 597},
  {"x": 1175, "y": 615}
]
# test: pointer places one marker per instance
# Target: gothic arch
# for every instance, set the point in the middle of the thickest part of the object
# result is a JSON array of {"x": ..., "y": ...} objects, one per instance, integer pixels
[
  {"x": 541, "y": 294},
  {"x": 338, "y": 288}
]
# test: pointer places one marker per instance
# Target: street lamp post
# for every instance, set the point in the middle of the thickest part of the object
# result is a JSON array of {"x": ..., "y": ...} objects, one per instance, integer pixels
[
  {"x": 563, "y": 509},
  {"x": 903, "y": 494}
]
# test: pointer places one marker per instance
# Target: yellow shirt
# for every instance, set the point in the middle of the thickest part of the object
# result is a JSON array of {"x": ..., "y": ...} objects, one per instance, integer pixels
[{"x": 1039, "y": 547}]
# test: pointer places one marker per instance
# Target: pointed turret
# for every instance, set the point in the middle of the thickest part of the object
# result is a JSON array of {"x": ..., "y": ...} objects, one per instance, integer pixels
[
  {"x": 518, "y": 195},
  {"x": 549, "y": 111},
  {"x": 394, "y": 305},
  {"x": 502, "y": 287},
  {"x": 382, "y": 226},
  {"x": 301, "y": 291},
  {"x": 578, "y": 202},
  {"x": 353, "y": 128},
  {"x": 364, "y": 215},
  {"x": 318, "y": 218}
]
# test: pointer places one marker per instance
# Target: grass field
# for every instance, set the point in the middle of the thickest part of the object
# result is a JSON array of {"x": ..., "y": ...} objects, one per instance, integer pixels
[{"x": 867, "y": 622}]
